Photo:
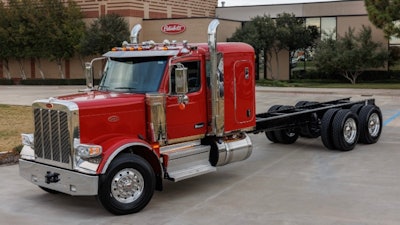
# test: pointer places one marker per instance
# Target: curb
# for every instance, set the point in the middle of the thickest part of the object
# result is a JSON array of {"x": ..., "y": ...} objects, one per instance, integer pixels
[{"x": 8, "y": 158}]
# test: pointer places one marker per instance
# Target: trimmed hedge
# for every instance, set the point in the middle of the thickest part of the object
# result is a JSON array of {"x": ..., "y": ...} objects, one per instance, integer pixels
[{"x": 366, "y": 76}]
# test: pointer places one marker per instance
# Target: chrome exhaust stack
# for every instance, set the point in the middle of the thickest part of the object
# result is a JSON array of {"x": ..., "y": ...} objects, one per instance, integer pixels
[
  {"x": 135, "y": 33},
  {"x": 217, "y": 96}
]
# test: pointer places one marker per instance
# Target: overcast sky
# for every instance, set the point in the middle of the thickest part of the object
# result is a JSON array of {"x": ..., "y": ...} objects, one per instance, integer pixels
[{"x": 265, "y": 2}]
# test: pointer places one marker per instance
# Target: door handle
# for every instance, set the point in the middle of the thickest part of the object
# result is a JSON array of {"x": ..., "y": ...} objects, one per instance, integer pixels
[{"x": 198, "y": 125}]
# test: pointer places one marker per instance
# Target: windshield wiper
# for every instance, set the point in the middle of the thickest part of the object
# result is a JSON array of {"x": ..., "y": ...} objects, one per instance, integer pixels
[
  {"x": 129, "y": 88},
  {"x": 106, "y": 88}
]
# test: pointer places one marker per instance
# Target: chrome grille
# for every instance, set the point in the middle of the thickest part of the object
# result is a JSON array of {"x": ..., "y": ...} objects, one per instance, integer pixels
[{"x": 52, "y": 135}]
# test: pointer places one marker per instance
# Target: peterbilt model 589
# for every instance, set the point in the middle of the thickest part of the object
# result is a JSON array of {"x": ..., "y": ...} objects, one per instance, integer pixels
[{"x": 170, "y": 111}]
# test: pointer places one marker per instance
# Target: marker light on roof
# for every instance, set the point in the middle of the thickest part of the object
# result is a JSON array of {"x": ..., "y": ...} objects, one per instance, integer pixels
[{"x": 151, "y": 45}]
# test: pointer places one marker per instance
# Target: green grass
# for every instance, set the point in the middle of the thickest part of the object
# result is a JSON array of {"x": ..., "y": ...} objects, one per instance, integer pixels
[{"x": 14, "y": 120}]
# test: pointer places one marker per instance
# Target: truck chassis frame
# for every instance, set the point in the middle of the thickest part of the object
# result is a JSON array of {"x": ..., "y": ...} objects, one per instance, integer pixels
[{"x": 341, "y": 123}]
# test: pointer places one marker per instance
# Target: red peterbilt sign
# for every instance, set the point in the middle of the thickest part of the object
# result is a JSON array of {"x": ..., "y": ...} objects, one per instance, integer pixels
[{"x": 173, "y": 28}]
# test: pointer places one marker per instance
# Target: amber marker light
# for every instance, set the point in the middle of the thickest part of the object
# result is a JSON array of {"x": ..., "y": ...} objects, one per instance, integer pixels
[{"x": 87, "y": 151}]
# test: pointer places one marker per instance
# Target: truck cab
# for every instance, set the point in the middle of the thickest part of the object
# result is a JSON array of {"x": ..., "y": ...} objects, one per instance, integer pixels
[
  {"x": 171, "y": 111},
  {"x": 161, "y": 111}
]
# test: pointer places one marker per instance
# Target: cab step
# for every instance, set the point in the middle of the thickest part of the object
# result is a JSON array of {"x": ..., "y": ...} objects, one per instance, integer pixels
[{"x": 186, "y": 160}]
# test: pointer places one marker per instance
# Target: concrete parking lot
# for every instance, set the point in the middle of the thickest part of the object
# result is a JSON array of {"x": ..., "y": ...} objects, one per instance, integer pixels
[{"x": 302, "y": 183}]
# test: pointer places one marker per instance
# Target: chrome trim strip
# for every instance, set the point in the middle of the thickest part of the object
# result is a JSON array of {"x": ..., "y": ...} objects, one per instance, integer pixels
[
  {"x": 185, "y": 139},
  {"x": 120, "y": 149}
]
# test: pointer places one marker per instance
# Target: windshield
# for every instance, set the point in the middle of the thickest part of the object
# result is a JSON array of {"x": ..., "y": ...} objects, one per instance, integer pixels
[{"x": 137, "y": 75}]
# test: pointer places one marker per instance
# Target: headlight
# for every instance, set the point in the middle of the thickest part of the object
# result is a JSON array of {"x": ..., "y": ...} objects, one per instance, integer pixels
[
  {"x": 27, "y": 139},
  {"x": 88, "y": 151}
]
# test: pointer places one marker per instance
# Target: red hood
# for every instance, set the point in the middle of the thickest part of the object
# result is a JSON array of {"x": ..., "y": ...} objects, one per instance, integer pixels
[{"x": 104, "y": 115}]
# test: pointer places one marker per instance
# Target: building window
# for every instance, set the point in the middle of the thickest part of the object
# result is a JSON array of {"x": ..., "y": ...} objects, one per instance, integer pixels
[
  {"x": 326, "y": 25},
  {"x": 314, "y": 22}
]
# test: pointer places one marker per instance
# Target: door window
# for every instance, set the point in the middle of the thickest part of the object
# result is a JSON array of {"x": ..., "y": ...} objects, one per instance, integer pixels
[{"x": 193, "y": 76}]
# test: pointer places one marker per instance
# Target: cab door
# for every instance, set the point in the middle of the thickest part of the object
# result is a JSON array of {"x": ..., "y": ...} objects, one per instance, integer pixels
[{"x": 189, "y": 121}]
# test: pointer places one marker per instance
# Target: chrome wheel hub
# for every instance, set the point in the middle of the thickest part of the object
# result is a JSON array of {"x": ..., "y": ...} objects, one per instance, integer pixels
[
  {"x": 350, "y": 130},
  {"x": 127, "y": 185},
  {"x": 374, "y": 125}
]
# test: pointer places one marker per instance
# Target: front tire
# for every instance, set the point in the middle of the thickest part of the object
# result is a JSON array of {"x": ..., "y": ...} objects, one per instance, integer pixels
[{"x": 127, "y": 186}]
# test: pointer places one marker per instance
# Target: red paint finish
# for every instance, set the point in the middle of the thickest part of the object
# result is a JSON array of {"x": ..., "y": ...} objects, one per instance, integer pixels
[
  {"x": 239, "y": 91},
  {"x": 190, "y": 121},
  {"x": 112, "y": 144},
  {"x": 113, "y": 120},
  {"x": 127, "y": 113}
]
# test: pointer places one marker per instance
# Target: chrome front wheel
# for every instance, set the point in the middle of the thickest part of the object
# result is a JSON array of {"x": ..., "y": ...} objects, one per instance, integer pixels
[{"x": 127, "y": 186}]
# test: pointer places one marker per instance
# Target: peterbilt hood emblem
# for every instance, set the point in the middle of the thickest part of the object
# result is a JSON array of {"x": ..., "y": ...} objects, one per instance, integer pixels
[
  {"x": 50, "y": 104},
  {"x": 113, "y": 119}
]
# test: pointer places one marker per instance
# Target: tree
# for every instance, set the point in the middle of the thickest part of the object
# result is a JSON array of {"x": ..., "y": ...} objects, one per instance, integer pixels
[
  {"x": 350, "y": 55},
  {"x": 67, "y": 29},
  {"x": 292, "y": 34},
  {"x": 271, "y": 36},
  {"x": 105, "y": 33},
  {"x": 5, "y": 39},
  {"x": 253, "y": 33},
  {"x": 384, "y": 14},
  {"x": 35, "y": 29},
  {"x": 21, "y": 31}
]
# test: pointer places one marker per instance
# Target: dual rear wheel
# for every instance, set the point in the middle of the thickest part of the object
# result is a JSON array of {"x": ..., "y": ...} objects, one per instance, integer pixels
[{"x": 340, "y": 129}]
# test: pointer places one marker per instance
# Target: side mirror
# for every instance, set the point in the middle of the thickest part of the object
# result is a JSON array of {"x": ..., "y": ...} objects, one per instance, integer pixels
[
  {"x": 181, "y": 82},
  {"x": 89, "y": 75}
]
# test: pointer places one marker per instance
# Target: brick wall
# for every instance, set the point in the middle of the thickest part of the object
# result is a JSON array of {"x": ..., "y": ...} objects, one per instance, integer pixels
[{"x": 149, "y": 9}]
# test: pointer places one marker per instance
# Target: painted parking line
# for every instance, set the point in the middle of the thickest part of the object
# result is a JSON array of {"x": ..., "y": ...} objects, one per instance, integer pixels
[{"x": 386, "y": 122}]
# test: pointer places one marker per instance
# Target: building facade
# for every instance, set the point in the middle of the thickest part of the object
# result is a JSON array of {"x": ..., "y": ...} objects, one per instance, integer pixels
[
  {"x": 193, "y": 16},
  {"x": 334, "y": 17}
]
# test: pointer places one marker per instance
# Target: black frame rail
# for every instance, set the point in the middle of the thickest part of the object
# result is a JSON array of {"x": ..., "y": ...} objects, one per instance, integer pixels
[{"x": 292, "y": 117}]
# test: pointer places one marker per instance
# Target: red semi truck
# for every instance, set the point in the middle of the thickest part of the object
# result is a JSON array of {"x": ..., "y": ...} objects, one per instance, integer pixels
[{"x": 170, "y": 111}]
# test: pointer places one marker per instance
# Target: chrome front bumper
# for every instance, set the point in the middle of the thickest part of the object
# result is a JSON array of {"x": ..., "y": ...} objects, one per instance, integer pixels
[{"x": 66, "y": 181}]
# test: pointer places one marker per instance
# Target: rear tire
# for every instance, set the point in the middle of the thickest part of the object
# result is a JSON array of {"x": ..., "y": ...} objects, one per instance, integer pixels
[
  {"x": 326, "y": 128},
  {"x": 370, "y": 118},
  {"x": 286, "y": 136},
  {"x": 356, "y": 108},
  {"x": 127, "y": 186},
  {"x": 271, "y": 134},
  {"x": 300, "y": 103},
  {"x": 345, "y": 130}
]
